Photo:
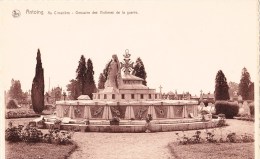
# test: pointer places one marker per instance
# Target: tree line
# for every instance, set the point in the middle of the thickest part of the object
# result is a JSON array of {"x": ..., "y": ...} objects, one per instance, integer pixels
[
  {"x": 245, "y": 88},
  {"x": 84, "y": 83}
]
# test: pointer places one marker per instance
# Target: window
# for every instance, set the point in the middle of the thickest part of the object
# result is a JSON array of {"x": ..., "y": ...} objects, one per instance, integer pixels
[
  {"x": 132, "y": 96},
  {"x": 155, "y": 96},
  {"x": 123, "y": 96},
  {"x": 150, "y": 96},
  {"x": 113, "y": 96},
  {"x": 141, "y": 96},
  {"x": 105, "y": 96},
  {"x": 98, "y": 96}
]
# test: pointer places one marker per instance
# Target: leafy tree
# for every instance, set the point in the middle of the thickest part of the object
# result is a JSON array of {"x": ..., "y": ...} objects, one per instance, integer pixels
[
  {"x": 221, "y": 87},
  {"x": 73, "y": 89},
  {"x": 15, "y": 91},
  {"x": 101, "y": 81},
  {"x": 251, "y": 91},
  {"x": 12, "y": 104},
  {"x": 233, "y": 87},
  {"x": 139, "y": 70},
  {"x": 82, "y": 76},
  {"x": 56, "y": 93},
  {"x": 38, "y": 86},
  {"x": 244, "y": 84},
  {"x": 90, "y": 83}
]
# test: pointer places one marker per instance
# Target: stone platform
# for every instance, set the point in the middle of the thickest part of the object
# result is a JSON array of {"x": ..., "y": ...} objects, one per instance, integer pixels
[{"x": 139, "y": 126}]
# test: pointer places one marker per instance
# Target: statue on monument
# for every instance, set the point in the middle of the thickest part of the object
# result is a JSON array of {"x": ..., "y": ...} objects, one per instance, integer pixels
[{"x": 114, "y": 78}]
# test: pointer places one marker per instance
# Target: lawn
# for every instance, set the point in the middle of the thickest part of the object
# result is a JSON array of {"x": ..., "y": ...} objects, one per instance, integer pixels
[
  {"x": 213, "y": 151},
  {"x": 24, "y": 150},
  {"x": 217, "y": 150}
]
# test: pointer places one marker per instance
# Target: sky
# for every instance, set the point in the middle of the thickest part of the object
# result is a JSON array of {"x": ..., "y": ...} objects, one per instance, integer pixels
[{"x": 182, "y": 43}]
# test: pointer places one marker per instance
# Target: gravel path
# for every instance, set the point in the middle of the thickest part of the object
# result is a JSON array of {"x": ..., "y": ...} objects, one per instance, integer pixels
[{"x": 138, "y": 145}]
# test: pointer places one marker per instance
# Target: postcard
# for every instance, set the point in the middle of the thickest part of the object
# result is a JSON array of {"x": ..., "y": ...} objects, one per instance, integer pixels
[{"x": 129, "y": 79}]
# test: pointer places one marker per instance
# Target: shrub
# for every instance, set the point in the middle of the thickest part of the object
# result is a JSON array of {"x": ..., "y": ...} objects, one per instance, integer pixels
[
  {"x": 58, "y": 137},
  {"x": 184, "y": 140},
  {"x": 230, "y": 109},
  {"x": 31, "y": 134},
  {"x": 252, "y": 108},
  {"x": 13, "y": 133},
  {"x": 12, "y": 104}
]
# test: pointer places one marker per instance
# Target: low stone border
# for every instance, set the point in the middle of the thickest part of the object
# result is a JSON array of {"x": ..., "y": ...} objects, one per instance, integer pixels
[{"x": 137, "y": 128}]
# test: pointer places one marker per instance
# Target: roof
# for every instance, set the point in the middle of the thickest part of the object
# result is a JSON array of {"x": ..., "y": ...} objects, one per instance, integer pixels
[
  {"x": 133, "y": 86},
  {"x": 131, "y": 77},
  {"x": 83, "y": 97}
]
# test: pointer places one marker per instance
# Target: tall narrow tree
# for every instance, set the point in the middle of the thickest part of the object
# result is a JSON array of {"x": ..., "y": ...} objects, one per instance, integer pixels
[
  {"x": 244, "y": 84},
  {"x": 251, "y": 91},
  {"x": 101, "y": 81},
  {"x": 90, "y": 83},
  {"x": 221, "y": 87},
  {"x": 82, "y": 76},
  {"x": 37, "y": 92},
  {"x": 139, "y": 70},
  {"x": 105, "y": 71}
]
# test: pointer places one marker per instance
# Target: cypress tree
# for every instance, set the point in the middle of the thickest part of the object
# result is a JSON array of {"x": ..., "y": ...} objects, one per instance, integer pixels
[
  {"x": 81, "y": 76},
  {"x": 244, "y": 84},
  {"x": 251, "y": 92},
  {"x": 139, "y": 70},
  {"x": 221, "y": 87},
  {"x": 105, "y": 71},
  {"x": 101, "y": 81},
  {"x": 37, "y": 92},
  {"x": 90, "y": 83}
]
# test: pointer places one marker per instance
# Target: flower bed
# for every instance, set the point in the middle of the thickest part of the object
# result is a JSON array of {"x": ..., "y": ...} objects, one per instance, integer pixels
[
  {"x": 23, "y": 113},
  {"x": 20, "y": 113},
  {"x": 32, "y": 134}
]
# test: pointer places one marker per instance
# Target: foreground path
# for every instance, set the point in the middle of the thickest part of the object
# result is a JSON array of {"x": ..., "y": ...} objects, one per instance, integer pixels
[{"x": 137, "y": 145}]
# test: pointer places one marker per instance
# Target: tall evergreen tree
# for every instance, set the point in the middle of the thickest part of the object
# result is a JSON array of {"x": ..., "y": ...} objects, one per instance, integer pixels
[
  {"x": 251, "y": 92},
  {"x": 105, "y": 71},
  {"x": 221, "y": 87},
  {"x": 90, "y": 83},
  {"x": 101, "y": 81},
  {"x": 15, "y": 91},
  {"x": 244, "y": 84},
  {"x": 139, "y": 70},
  {"x": 82, "y": 76},
  {"x": 37, "y": 92}
]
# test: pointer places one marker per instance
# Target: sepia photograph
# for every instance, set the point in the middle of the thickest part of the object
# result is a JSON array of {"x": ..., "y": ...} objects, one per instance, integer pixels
[{"x": 129, "y": 79}]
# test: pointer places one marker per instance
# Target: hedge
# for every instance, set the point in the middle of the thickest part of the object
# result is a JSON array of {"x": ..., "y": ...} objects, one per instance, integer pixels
[
  {"x": 252, "y": 108},
  {"x": 230, "y": 109}
]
